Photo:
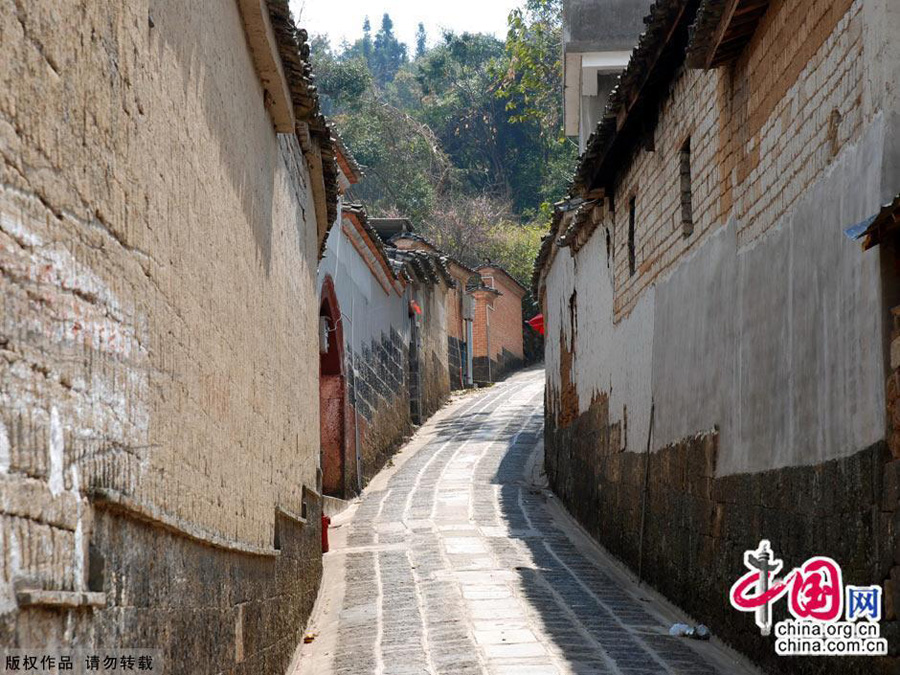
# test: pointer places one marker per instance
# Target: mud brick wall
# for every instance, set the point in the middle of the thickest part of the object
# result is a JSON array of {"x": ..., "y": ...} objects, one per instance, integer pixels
[
  {"x": 378, "y": 391},
  {"x": 158, "y": 337},
  {"x": 800, "y": 86},
  {"x": 697, "y": 526}
]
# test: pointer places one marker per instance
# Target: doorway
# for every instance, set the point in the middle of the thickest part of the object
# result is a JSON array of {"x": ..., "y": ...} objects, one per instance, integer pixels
[{"x": 332, "y": 389}]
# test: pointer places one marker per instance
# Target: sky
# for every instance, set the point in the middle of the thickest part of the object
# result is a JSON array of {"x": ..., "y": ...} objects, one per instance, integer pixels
[{"x": 343, "y": 19}]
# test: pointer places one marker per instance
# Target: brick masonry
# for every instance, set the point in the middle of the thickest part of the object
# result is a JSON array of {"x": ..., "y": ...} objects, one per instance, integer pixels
[
  {"x": 735, "y": 122},
  {"x": 498, "y": 330}
]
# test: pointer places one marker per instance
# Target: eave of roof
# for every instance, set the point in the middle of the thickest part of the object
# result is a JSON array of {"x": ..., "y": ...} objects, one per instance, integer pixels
[
  {"x": 357, "y": 214},
  {"x": 346, "y": 161},
  {"x": 504, "y": 271},
  {"x": 722, "y": 29},
  {"x": 293, "y": 48},
  {"x": 415, "y": 236},
  {"x": 391, "y": 227},
  {"x": 426, "y": 266}
]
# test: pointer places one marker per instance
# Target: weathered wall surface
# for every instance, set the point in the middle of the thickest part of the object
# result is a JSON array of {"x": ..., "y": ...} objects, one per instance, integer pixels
[
  {"x": 433, "y": 351},
  {"x": 157, "y": 332},
  {"x": 763, "y": 330},
  {"x": 717, "y": 313},
  {"x": 457, "y": 345}
]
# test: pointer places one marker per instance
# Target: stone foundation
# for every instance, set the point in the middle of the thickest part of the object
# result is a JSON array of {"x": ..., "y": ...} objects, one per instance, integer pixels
[
  {"x": 697, "y": 526},
  {"x": 209, "y": 610},
  {"x": 494, "y": 370},
  {"x": 456, "y": 359},
  {"x": 379, "y": 404}
]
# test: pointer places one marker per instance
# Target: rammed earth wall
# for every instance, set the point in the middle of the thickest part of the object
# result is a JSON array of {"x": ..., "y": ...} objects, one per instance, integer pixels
[{"x": 158, "y": 338}]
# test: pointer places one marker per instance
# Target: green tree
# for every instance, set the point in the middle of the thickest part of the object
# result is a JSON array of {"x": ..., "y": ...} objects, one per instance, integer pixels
[
  {"x": 421, "y": 39},
  {"x": 388, "y": 53},
  {"x": 531, "y": 85},
  {"x": 366, "y": 45},
  {"x": 466, "y": 140}
]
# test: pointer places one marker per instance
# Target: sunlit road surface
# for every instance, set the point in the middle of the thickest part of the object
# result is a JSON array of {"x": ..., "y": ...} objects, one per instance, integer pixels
[{"x": 457, "y": 560}]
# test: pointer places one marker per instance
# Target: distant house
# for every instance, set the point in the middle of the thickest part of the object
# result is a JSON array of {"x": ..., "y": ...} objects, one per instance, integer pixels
[
  {"x": 484, "y": 327},
  {"x": 460, "y": 308},
  {"x": 498, "y": 344},
  {"x": 597, "y": 39}
]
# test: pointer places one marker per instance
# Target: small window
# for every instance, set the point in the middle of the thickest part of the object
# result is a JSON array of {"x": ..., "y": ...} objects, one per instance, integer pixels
[
  {"x": 631, "y": 208},
  {"x": 687, "y": 209}
]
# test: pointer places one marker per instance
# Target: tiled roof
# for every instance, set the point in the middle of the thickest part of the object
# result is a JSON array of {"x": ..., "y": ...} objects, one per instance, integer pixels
[
  {"x": 293, "y": 47},
  {"x": 389, "y": 227},
  {"x": 353, "y": 171},
  {"x": 409, "y": 265},
  {"x": 423, "y": 266},
  {"x": 712, "y": 43},
  {"x": 415, "y": 236}
]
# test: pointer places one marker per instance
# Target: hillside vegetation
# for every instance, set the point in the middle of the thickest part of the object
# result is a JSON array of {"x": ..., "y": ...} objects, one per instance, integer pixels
[{"x": 464, "y": 137}]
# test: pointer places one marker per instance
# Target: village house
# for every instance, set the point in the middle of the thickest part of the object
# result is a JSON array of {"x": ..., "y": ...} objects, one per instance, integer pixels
[
  {"x": 167, "y": 183},
  {"x": 384, "y": 359},
  {"x": 497, "y": 345},
  {"x": 432, "y": 283},
  {"x": 717, "y": 347},
  {"x": 598, "y": 36}
]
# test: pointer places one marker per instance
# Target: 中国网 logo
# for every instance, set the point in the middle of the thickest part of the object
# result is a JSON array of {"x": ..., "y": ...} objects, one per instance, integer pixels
[{"x": 829, "y": 618}]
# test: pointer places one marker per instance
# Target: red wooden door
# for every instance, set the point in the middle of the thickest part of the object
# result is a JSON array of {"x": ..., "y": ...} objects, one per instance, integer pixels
[{"x": 331, "y": 427}]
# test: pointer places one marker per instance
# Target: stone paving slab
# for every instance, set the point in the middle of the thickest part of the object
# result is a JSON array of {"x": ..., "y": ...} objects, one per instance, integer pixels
[{"x": 456, "y": 561}]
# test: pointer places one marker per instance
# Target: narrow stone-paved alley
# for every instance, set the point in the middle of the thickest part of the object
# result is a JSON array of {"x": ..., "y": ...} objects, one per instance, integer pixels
[{"x": 456, "y": 560}]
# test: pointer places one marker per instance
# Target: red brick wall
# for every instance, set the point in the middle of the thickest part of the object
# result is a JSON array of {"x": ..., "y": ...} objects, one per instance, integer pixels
[
  {"x": 506, "y": 317},
  {"x": 483, "y": 300}
]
